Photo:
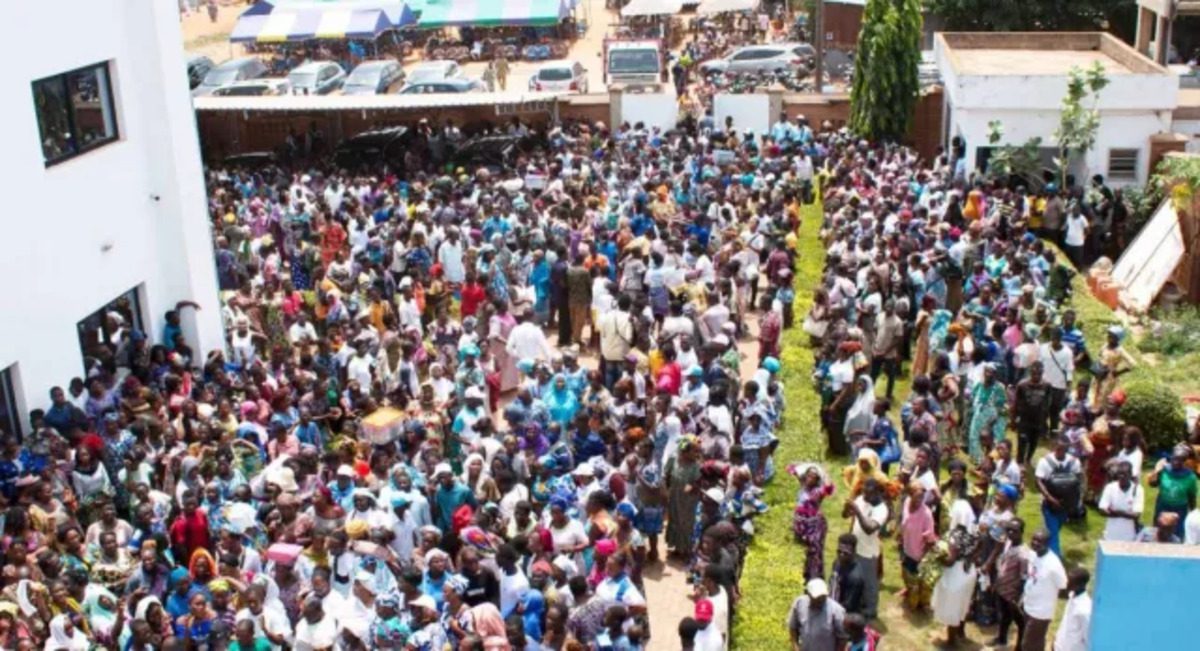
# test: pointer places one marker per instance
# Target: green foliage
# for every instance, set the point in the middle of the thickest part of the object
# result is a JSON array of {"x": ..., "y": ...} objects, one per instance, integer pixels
[
  {"x": 1021, "y": 15},
  {"x": 1174, "y": 333},
  {"x": 1078, "y": 124},
  {"x": 885, "y": 69},
  {"x": 1008, "y": 161},
  {"x": 1155, "y": 409}
]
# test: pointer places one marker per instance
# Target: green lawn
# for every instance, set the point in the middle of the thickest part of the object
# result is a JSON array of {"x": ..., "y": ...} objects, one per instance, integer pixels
[{"x": 773, "y": 574}]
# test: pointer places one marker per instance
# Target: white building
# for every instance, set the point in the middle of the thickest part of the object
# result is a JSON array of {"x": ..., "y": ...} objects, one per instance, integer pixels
[
  {"x": 1020, "y": 80},
  {"x": 105, "y": 196}
]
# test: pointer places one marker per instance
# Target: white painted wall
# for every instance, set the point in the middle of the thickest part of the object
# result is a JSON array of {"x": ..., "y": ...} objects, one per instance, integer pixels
[
  {"x": 58, "y": 219},
  {"x": 652, "y": 109},
  {"x": 1132, "y": 107},
  {"x": 748, "y": 110}
]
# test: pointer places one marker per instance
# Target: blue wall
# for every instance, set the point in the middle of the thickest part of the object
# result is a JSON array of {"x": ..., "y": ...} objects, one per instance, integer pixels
[{"x": 1145, "y": 601}]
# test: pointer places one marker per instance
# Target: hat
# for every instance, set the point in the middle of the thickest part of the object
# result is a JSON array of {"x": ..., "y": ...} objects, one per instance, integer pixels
[
  {"x": 345, "y": 471},
  {"x": 771, "y": 364},
  {"x": 816, "y": 588},
  {"x": 584, "y": 470},
  {"x": 473, "y": 393},
  {"x": 715, "y": 494},
  {"x": 424, "y": 601},
  {"x": 442, "y": 469},
  {"x": 704, "y": 611},
  {"x": 399, "y": 501},
  {"x": 285, "y": 479},
  {"x": 695, "y": 371}
]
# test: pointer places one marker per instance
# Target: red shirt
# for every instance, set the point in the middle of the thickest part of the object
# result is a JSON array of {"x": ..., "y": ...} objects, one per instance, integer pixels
[
  {"x": 190, "y": 532},
  {"x": 472, "y": 295}
]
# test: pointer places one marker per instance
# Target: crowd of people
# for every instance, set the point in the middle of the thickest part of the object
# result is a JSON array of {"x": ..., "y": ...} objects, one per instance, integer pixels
[
  {"x": 1008, "y": 401},
  {"x": 391, "y": 453}
]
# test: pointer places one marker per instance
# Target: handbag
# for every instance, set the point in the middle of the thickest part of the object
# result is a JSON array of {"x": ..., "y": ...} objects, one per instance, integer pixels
[{"x": 814, "y": 328}]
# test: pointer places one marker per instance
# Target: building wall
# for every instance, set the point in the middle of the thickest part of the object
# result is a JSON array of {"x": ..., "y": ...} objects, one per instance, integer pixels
[
  {"x": 128, "y": 214},
  {"x": 1138, "y": 599},
  {"x": 842, "y": 24},
  {"x": 1118, "y": 130}
]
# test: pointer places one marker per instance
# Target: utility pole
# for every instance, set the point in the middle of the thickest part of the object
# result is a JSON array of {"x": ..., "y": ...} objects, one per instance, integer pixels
[{"x": 818, "y": 35}]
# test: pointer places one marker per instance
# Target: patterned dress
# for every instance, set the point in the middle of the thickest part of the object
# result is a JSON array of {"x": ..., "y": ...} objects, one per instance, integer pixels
[{"x": 810, "y": 527}]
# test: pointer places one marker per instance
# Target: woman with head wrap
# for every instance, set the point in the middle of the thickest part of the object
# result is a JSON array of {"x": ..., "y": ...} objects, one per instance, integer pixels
[
  {"x": 988, "y": 411},
  {"x": 437, "y": 572},
  {"x": 180, "y": 593},
  {"x": 531, "y": 609},
  {"x": 100, "y": 607},
  {"x": 561, "y": 402},
  {"x": 479, "y": 479},
  {"x": 64, "y": 636},
  {"x": 196, "y": 625},
  {"x": 866, "y": 466},
  {"x": 456, "y": 614},
  {"x": 681, "y": 475},
  {"x": 860, "y": 419}
]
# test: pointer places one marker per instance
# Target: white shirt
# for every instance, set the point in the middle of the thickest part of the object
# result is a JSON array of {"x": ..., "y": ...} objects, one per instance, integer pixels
[
  {"x": 1135, "y": 461},
  {"x": 1058, "y": 366},
  {"x": 1191, "y": 528},
  {"x": 527, "y": 340},
  {"x": 1076, "y": 233},
  {"x": 1113, "y": 498},
  {"x": 868, "y": 543},
  {"x": 359, "y": 369},
  {"x": 404, "y": 532},
  {"x": 608, "y": 589},
  {"x": 1073, "y": 630},
  {"x": 709, "y": 638},
  {"x": 1046, "y": 579},
  {"x": 512, "y": 586},
  {"x": 450, "y": 255},
  {"x": 1047, "y": 464},
  {"x": 321, "y": 635}
]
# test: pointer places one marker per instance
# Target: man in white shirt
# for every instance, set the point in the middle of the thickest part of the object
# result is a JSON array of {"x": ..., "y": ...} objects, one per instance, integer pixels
[
  {"x": 708, "y": 638},
  {"x": 1046, "y": 579},
  {"x": 869, "y": 513},
  {"x": 450, "y": 256},
  {"x": 616, "y": 339},
  {"x": 316, "y": 629},
  {"x": 1077, "y": 618},
  {"x": 1058, "y": 370},
  {"x": 1122, "y": 503},
  {"x": 302, "y": 331},
  {"x": 403, "y": 527},
  {"x": 1076, "y": 235},
  {"x": 1060, "y": 481},
  {"x": 527, "y": 341},
  {"x": 360, "y": 366}
]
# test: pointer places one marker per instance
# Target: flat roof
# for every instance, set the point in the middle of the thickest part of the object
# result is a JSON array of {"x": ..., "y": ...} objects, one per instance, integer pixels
[
  {"x": 1033, "y": 62},
  {"x": 1042, "y": 53}
]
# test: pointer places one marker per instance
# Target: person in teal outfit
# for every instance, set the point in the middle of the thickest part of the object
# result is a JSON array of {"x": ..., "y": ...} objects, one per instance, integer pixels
[{"x": 988, "y": 411}]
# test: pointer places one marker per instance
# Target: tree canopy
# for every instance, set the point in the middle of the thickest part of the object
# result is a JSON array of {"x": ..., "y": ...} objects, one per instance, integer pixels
[
  {"x": 1032, "y": 15},
  {"x": 885, "y": 69}
]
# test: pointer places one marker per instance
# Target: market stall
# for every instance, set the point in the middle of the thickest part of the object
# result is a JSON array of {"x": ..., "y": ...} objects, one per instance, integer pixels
[
  {"x": 649, "y": 19},
  {"x": 711, "y": 7},
  {"x": 484, "y": 29},
  {"x": 290, "y": 21}
]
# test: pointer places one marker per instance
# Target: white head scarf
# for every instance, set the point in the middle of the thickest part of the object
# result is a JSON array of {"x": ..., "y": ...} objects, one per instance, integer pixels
[{"x": 59, "y": 639}]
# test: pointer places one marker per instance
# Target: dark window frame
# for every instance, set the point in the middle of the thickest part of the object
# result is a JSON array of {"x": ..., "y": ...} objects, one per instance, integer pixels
[
  {"x": 108, "y": 107},
  {"x": 12, "y": 424}
]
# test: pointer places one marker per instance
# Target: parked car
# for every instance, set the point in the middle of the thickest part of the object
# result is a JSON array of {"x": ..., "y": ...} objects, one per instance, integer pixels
[
  {"x": 495, "y": 152},
  {"x": 566, "y": 76},
  {"x": 197, "y": 67},
  {"x": 372, "y": 77},
  {"x": 778, "y": 57},
  {"x": 372, "y": 147},
  {"x": 251, "y": 159},
  {"x": 255, "y": 88},
  {"x": 435, "y": 70},
  {"x": 229, "y": 72},
  {"x": 316, "y": 78},
  {"x": 449, "y": 85}
]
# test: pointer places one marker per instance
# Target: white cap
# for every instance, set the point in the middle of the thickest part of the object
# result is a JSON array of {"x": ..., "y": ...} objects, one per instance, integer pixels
[
  {"x": 585, "y": 470},
  {"x": 473, "y": 392},
  {"x": 442, "y": 469},
  {"x": 817, "y": 588},
  {"x": 345, "y": 471}
]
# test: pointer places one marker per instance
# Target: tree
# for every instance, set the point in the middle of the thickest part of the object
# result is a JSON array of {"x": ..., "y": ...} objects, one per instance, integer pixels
[
  {"x": 1007, "y": 161},
  {"x": 1078, "y": 124},
  {"x": 1035, "y": 15},
  {"x": 885, "y": 69}
]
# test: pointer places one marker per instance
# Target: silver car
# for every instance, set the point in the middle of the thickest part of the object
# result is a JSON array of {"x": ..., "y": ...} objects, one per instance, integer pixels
[
  {"x": 316, "y": 78},
  {"x": 449, "y": 85},
  {"x": 372, "y": 77},
  {"x": 778, "y": 57},
  {"x": 230, "y": 72}
]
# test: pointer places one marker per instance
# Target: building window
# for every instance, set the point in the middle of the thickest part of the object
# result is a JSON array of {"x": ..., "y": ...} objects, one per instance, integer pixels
[
  {"x": 1122, "y": 163},
  {"x": 75, "y": 112},
  {"x": 10, "y": 419},
  {"x": 106, "y": 335}
]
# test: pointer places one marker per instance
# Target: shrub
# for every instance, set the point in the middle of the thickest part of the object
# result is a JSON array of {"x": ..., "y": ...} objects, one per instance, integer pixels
[
  {"x": 1177, "y": 333},
  {"x": 1157, "y": 411}
]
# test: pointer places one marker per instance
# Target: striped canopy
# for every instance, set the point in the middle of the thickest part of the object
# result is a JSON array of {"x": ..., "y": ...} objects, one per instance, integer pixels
[
  {"x": 493, "y": 13},
  {"x": 303, "y": 20}
]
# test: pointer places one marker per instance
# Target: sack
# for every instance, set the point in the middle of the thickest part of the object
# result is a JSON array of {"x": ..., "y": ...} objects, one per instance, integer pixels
[
  {"x": 1064, "y": 486},
  {"x": 814, "y": 328}
]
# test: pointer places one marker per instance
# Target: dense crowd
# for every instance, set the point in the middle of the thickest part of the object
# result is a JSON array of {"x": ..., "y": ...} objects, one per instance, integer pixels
[
  {"x": 953, "y": 274},
  {"x": 391, "y": 453}
]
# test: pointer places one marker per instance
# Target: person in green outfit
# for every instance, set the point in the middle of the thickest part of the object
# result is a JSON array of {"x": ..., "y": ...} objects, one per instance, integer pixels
[
  {"x": 246, "y": 640},
  {"x": 1177, "y": 486}
]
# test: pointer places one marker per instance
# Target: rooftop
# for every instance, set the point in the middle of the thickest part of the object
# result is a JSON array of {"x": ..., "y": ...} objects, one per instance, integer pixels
[{"x": 1042, "y": 53}]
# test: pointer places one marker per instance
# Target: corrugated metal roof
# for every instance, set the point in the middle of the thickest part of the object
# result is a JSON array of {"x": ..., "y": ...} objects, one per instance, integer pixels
[{"x": 367, "y": 102}]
